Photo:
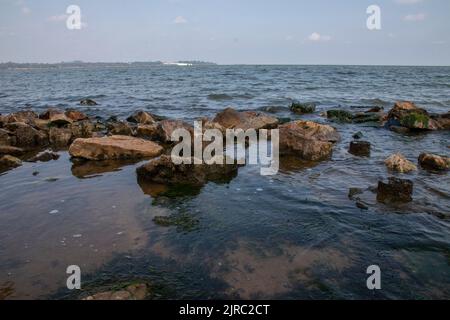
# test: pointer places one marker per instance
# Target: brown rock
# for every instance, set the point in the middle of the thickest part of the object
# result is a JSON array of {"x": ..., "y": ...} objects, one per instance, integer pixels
[
  {"x": 59, "y": 120},
  {"x": 114, "y": 147},
  {"x": 82, "y": 129},
  {"x": 5, "y": 137},
  {"x": 26, "y": 135},
  {"x": 443, "y": 121},
  {"x": 407, "y": 114},
  {"x": 60, "y": 137},
  {"x": 164, "y": 171},
  {"x": 434, "y": 162},
  {"x": 49, "y": 113},
  {"x": 120, "y": 128},
  {"x": 7, "y": 162},
  {"x": 11, "y": 150},
  {"x": 75, "y": 115},
  {"x": 44, "y": 157},
  {"x": 26, "y": 116},
  {"x": 308, "y": 140},
  {"x": 88, "y": 102},
  {"x": 149, "y": 131},
  {"x": 141, "y": 117},
  {"x": 396, "y": 190},
  {"x": 167, "y": 127},
  {"x": 232, "y": 119},
  {"x": 360, "y": 148},
  {"x": 397, "y": 162}
]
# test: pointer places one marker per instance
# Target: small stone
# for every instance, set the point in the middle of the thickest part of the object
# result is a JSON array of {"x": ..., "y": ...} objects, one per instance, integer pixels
[
  {"x": 358, "y": 135},
  {"x": 354, "y": 191},
  {"x": 302, "y": 108},
  {"x": 360, "y": 148},
  {"x": 88, "y": 102},
  {"x": 10, "y": 162},
  {"x": 45, "y": 157}
]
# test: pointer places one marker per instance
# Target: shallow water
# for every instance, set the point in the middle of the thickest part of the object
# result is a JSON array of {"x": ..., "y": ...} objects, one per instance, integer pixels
[{"x": 293, "y": 235}]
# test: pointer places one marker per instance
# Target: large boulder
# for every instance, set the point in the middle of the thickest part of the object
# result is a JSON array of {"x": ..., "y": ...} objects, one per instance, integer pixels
[
  {"x": 398, "y": 162},
  {"x": 164, "y": 171},
  {"x": 230, "y": 118},
  {"x": 141, "y": 117},
  {"x": 406, "y": 114},
  {"x": 114, "y": 147},
  {"x": 308, "y": 140},
  {"x": 434, "y": 162}
]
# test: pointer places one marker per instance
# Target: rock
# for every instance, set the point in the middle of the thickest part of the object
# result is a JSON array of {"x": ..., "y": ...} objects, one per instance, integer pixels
[
  {"x": 211, "y": 125},
  {"x": 361, "y": 205},
  {"x": 59, "y": 120},
  {"x": 8, "y": 161},
  {"x": 149, "y": 131},
  {"x": 232, "y": 119},
  {"x": 141, "y": 117},
  {"x": 88, "y": 102},
  {"x": 397, "y": 162},
  {"x": 27, "y": 136},
  {"x": 49, "y": 113},
  {"x": 399, "y": 129},
  {"x": 434, "y": 162},
  {"x": 396, "y": 190},
  {"x": 120, "y": 128},
  {"x": 114, "y": 147},
  {"x": 82, "y": 129},
  {"x": 353, "y": 192},
  {"x": 340, "y": 115},
  {"x": 302, "y": 108},
  {"x": 407, "y": 114},
  {"x": 60, "y": 137},
  {"x": 5, "y": 137},
  {"x": 167, "y": 127},
  {"x": 308, "y": 140},
  {"x": 363, "y": 117},
  {"x": 358, "y": 135},
  {"x": 360, "y": 148},
  {"x": 442, "y": 120},
  {"x": 14, "y": 151},
  {"x": 44, "y": 157},
  {"x": 26, "y": 116},
  {"x": 376, "y": 109},
  {"x": 132, "y": 292},
  {"x": 164, "y": 171},
  {"x": 75, "y": 115}
]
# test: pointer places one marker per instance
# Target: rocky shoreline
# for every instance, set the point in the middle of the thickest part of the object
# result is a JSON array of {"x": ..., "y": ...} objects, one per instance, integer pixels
[{"x": 27, "y": 136}]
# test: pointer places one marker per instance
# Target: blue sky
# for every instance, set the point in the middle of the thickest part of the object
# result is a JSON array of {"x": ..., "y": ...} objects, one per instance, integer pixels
[{"x": 414, "y": 32}]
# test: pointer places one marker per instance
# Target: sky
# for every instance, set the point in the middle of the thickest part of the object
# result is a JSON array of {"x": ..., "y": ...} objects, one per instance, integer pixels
[{"x": 413, "y": 32}]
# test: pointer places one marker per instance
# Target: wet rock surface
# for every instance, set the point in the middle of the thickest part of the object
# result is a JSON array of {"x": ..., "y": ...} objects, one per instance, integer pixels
[
  {"x": 114, "y": 148},
  {"x": 360, "y": 148},
  {"x": 303, "y": 108},
  {"x": 434, "y": 162},
  {"x": 395, "y": 191},
  {"x": 232, "y": 119},
  {"x": 8, "y": 162},
  {"x": 407, "y": 115}
]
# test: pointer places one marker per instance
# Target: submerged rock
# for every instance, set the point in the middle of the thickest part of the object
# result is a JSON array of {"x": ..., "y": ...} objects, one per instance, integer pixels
[
  {"x": 141, "y": 117},
  {"x": 396, "y": 190},
  {"x": 434, "y": 162},
  {"x": 397, "y": 162},
  {"x": 232, "y": 119},
  {"x": 132, "y": 292},
  {"x": 358, "y": 135},
  {"x": 302, "y": 108},
  {"x": 308, "y": 140},
  {"x": 8, "y": 162},
  {"x": 340, "y": 115},
  {"x": 114, "y": 147},
  {"x": 360, "y": 148},
  {"x": 163, "y": 170},
  {"x": 88, "y": 102}
]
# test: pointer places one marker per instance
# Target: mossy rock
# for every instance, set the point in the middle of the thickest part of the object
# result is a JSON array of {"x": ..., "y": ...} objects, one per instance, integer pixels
[
  {"x": 302, "y": 108},
  {"x": 415, "y": 120},
  {"x": 340, "y": 115}
]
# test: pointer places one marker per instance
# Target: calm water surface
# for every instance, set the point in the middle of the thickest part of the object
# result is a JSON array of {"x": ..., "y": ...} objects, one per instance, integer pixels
[{"x": 293, "y": 235}]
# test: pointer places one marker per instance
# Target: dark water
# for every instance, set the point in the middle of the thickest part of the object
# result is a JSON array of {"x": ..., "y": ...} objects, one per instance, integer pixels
[{"x": 293, "y": 235}]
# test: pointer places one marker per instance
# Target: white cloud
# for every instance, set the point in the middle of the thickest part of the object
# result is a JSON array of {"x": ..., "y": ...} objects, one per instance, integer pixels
[
  {"x": 179, "y": 20},
  {"x": 316, "y": 37},
  {"x": 414, "y": 17}
]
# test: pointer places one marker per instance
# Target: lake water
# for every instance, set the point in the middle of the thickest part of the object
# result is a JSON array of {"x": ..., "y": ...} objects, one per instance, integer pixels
[{"x": 294, "y": 235}]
